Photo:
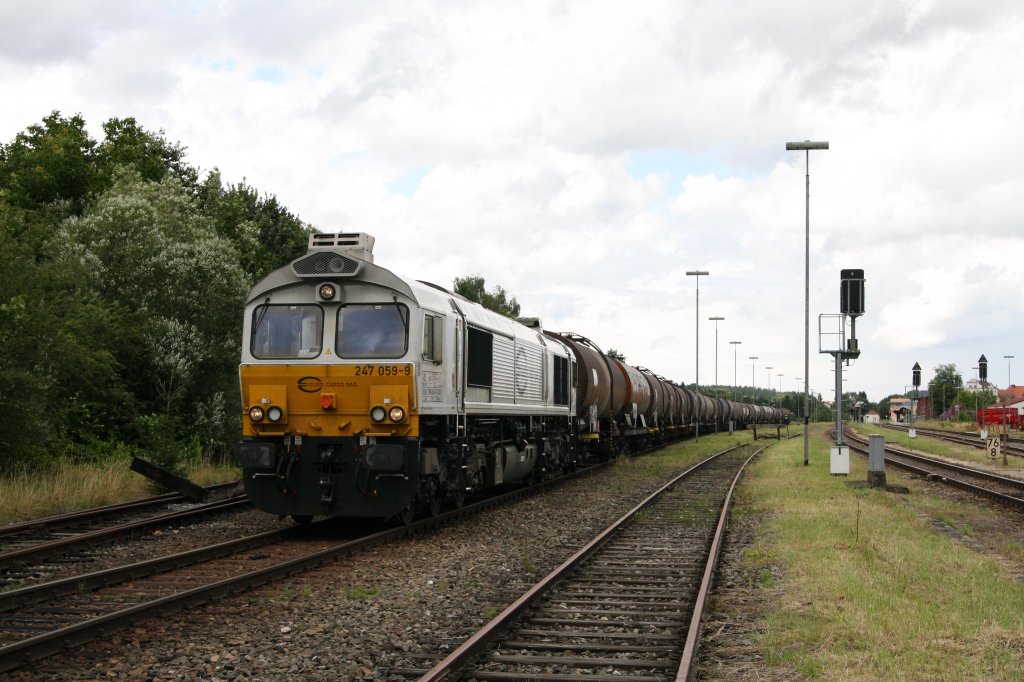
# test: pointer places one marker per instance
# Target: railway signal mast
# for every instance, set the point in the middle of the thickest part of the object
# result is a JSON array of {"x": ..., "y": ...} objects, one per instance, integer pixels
[
  {"x": 851, "y": 304},
  {"x": 916, "y": 374}
]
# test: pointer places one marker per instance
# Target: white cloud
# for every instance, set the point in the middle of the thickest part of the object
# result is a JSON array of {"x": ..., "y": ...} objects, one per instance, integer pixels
[{"x": 521, "y": 122}]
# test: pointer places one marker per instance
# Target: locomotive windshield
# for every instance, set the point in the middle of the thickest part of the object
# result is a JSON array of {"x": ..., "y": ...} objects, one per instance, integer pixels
[
  {"x": 287, "y": 331},
  {"x": 379, "y": 330}
]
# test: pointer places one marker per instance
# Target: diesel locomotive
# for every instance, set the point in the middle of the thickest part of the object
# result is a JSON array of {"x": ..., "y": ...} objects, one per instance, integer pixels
[{"x": 368, "y": 394}]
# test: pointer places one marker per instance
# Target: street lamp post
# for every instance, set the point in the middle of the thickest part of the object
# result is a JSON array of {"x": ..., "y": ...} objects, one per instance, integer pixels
[
  {"x": 735, "y": 384},
  {"x": 806, "y": 146},
  {"x": 798, "y": 380},
  {"x": 768, "y": 377},
  {"x": 1008, "y": 358},
  {"x": 753, "y": 381},
  {"x": 780, "y": 375},
  {"x": 696, "y": 373},
  {"x": 716, "y": 320}
]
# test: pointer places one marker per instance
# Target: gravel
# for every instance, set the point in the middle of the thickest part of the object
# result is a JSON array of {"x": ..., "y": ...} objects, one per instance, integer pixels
[{"x": 397, "y": 605}]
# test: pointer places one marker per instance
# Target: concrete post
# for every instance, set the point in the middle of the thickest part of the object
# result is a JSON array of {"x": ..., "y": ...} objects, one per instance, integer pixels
[{"x": 876, "y": 461}]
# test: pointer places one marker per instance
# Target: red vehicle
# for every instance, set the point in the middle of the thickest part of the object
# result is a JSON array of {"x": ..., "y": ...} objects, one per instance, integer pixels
[{"x": 999, "y": 415}]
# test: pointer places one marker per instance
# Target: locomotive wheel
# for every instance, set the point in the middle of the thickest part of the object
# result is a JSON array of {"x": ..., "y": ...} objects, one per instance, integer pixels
[
  {"x": 459, "y": 498},
  {"x": 433, "y": 503},
  {"x": 406, "y": 516}
]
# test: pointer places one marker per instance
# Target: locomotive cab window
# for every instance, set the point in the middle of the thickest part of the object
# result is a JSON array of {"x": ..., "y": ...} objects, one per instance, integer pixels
[
  {"x": 287, "y": 331},
  {"x": 376, "y": 330},
  {"x": 433, "y": 327}
]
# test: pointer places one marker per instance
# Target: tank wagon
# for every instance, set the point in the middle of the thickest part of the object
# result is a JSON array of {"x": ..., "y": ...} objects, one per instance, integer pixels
[{"x": 368, "y": 394}]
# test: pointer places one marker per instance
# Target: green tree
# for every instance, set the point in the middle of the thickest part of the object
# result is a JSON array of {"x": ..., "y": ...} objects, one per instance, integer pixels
[
  {"x": 173, "y": 288},
  {"x": 473, "y": 288},
  {"x": 121, "y": 280},
  {"x": 944, "y": 386},
  {"x": 614, "y": 353},
  {"x": 885, "y": 403},
  {"x": 151, "y": 155},
  {"x": 971, "y": 401},
  {"x": 266, "y": 233},
  {"x": 55, "y": 367},
  {"x": 53, "y": 162}
]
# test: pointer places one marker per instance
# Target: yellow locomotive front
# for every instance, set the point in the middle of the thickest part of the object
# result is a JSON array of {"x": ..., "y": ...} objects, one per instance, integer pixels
[{"x": 329, "y": 388}]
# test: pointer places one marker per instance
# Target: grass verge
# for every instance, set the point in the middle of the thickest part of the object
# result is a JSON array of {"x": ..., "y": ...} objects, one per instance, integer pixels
[
  {"x": 869, "y": 589},
  {"x": 66, "y": 487}
]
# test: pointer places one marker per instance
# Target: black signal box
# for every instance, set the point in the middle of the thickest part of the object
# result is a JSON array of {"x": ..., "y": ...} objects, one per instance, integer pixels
[{"x": 851, "y": 292}]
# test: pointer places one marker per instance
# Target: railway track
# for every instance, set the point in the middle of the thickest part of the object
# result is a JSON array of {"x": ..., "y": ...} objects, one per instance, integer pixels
[
  {"x": 1014, "y": 446},
  {"x": 627, "y": 606},
  {"x": 40, "y": 620},
  {"x": 34, "y": 549},
  {"x": 1009, "y": 491}
]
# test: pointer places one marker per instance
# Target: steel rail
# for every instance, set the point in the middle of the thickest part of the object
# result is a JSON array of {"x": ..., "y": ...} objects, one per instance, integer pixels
[
  {"x": 462, "y": 656},
  {"x": 1010, "y": 500},
  {"x": 96, "y": 580},
  {"x": 50, "y": 643},
  {"x": 958, "y": 468},
  {"x": 60, "y": 520},
  {"x": 1013, "y": 446},
  {"x": 696, "y": 628},
  {"x": 44, "y": 550}
]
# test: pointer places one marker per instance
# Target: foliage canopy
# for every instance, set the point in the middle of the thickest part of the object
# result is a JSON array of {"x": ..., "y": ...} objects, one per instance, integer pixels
[
  {"x": 474, "y": 289},
  {"x": 124, "y": 272}
]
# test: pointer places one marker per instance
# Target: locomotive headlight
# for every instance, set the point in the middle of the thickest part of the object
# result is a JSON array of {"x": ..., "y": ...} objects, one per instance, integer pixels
[
  {"x": 256, "y": 413},
  {"x": 327, "y": 291},
  {"x": 274, "y": 413},
  {"x": 397, "y": 414},
  {"x": 378, "y": 413}
]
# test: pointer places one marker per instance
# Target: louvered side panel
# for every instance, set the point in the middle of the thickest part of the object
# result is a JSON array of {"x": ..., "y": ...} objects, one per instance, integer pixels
[
  {"x": 503, "y": 373},
  {"x": 528, "y": 374}
]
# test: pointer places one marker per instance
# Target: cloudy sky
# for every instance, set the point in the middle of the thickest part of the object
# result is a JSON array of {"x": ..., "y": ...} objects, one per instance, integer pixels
[{"x": 585, "y": 155}]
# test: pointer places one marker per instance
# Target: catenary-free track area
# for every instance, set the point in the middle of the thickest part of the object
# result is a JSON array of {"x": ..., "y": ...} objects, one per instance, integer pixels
[{"x": 935, "y": 572}]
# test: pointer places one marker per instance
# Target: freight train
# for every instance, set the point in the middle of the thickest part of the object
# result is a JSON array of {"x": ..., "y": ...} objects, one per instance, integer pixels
[{"x": 367, "y": 394}]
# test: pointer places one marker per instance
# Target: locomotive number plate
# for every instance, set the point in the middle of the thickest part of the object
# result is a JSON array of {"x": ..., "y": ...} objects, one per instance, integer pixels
[{"x": 383, "y": 370}]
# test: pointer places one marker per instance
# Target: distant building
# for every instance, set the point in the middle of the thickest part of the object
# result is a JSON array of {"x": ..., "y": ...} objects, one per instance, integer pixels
[
  {"x": 924, "y": 404},
  {"x": 871, "y": 417},
  {"x": 901, "y": 408},
  {"x": 976, "y": 386}
]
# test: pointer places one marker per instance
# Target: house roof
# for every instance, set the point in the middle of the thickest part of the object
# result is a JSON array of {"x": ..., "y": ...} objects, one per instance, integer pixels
[{"x": 1011, "y": 392}]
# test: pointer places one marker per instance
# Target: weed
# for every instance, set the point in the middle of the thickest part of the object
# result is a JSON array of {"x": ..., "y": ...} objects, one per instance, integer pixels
[{"x": 360, "y": 593}]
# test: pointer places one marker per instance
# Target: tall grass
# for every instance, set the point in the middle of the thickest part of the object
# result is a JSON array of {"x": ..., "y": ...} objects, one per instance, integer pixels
[
  {"x": 869, "y": 589},
  {"x": 64, "y": 486}
]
